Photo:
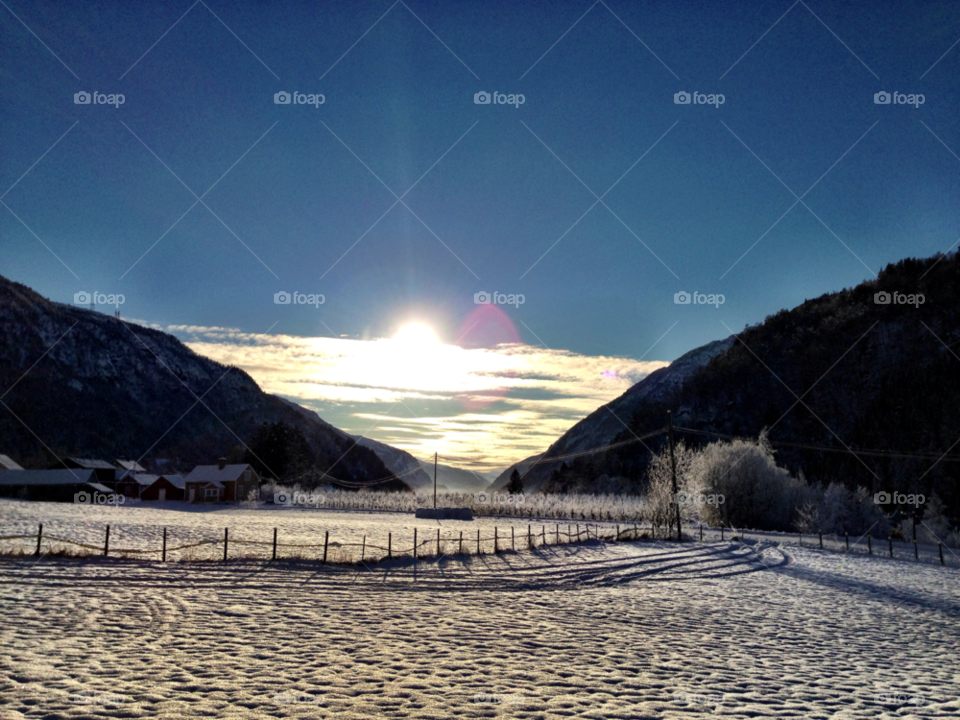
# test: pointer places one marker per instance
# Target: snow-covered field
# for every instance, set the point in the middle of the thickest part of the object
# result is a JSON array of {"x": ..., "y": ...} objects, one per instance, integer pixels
[
  {"x": 140, "y": 527},
  {"x": 632, "y": 630}
]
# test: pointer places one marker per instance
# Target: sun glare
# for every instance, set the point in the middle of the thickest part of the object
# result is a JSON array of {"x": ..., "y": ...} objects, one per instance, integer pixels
[{"x": 416, "y": 334}]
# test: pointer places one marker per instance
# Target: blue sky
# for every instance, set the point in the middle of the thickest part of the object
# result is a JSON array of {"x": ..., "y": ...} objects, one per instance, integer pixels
[{"x": 685, "y": 191}]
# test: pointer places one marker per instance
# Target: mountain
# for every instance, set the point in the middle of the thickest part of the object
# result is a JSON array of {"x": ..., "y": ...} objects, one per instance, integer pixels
[
  {"x": 83, "y": 384},
  {"x": 875, "y": 367},
  {"x": 399, "y": 462},
  {"x": 454, "y": 479},
  {"x": 602, "y": 425},
  {"x": 500, "y": 482}
]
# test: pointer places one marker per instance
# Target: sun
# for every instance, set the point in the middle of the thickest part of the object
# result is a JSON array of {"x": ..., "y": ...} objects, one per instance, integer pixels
[{"x": 417, "y": 334}]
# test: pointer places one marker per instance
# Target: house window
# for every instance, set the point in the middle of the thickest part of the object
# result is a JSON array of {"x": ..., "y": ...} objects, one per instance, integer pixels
[{"x": 209, "y": 493}]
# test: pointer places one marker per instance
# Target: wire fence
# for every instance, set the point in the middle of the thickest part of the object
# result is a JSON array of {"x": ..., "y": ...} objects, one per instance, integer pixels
[{"x": 435, "y": 545}]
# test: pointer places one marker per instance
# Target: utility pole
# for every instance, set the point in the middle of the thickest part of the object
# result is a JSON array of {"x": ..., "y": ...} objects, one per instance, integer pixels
[
  {"x": 673, "y": 471},
  {"x": 435, "y": 481}
]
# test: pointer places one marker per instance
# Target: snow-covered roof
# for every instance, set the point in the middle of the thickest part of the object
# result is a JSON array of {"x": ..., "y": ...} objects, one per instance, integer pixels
[
  {"x": 215, "y": 475},
  {"x": 7, "y": 463},
  {"x": 76, "y": 476},
  {"x": 175, "y": 480},
  {"x": 92, "y": 464},
  {"x": 146, "y": 479},
  {"x": 131, "y": 465}
]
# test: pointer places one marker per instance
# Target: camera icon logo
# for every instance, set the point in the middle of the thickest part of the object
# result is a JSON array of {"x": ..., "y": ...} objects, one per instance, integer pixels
[
  {"x": 81, "y": 98},
  {"x": 81, "y": 298},
  {"x": 282, "y": 497},
  {"x": 882, "y": 498},
  {"x": 482, "y": 498},
  {"x": 881, "y": 298},
  {"x": 281, "y": 98},
  {"x": 681, "y": 98},
  {"x": 281, "y": 298},
  {"x": 82, "y": 498},
  {"x": 481, "y": 98},
  {"x": 881, "y": 98},
  {"x": 682, "y": 498},
  {"x": 681, "y": 298},
  {"x": 481, "y": 298}
]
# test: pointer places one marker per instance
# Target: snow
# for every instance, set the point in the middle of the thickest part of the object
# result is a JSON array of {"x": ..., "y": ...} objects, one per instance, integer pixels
[
  {"x": 139, "y": 526},
  {"x": 597, "y": 630}
]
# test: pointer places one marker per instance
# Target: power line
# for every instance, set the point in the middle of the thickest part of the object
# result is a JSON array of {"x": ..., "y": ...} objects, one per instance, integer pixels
[{"x": 871, "y": 453}]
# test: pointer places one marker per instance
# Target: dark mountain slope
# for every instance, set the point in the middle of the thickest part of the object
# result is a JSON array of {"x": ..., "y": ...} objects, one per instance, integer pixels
[
  {"x": 869, "y": 375},
  {"x": 81, "y": 383}
]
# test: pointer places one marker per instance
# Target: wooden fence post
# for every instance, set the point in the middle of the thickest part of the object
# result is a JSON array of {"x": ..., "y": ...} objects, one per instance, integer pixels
[
  {"x": 40, "y": 538},
  {"x": 846, "y": 536},
  {"x": 513, "y": 539},
  {"x": 363, "y": 549},
  {"x": 479, "y": 551},
  {"x": 390, "y": 545},
  {"x": 438, "y": 542},
  {"x": 890, "y": 540},
  {"x": 529, "y": 538},
  {"x": 558, "y": 533},
  {"x": 940, "y": 548},
  {"x": 414, "y": 543},
  {"x": 461, "y": 543},
  {"x": 274, "y": 543},
  {"x": 496, "y": 540},
  {"x": 916, "y": 551},
  {"x": 721, "y": 532},
  {"x": 701, "y": 532},
  {"x": 226, "y": 541},
  {"x": 543, "y": 534},
  {"x": 618, "y": 532},
  {"x": 821, "y": 539},
  {"x": 326, "y": 539},
  {"x": 163, "y": 557},
  {"x": 869, "y": 544},
  {"x": 106, "y": 543}
]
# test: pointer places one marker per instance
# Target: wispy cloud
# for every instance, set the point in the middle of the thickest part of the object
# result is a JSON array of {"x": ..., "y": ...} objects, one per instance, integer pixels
[{"x": 484, "y": 407}]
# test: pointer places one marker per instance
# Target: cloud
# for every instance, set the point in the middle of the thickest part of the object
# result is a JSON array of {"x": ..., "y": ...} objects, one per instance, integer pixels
[{"x": 488, "y": 407}]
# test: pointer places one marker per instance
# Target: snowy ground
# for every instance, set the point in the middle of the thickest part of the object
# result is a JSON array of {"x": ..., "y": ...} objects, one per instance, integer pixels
[
  {"x": 633, "y": 630},
  {"x": 140, "y": 526}
]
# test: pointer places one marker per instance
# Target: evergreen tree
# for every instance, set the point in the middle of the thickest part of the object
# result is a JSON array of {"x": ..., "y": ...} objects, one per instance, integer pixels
[{"x": 515, "y": 486}]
